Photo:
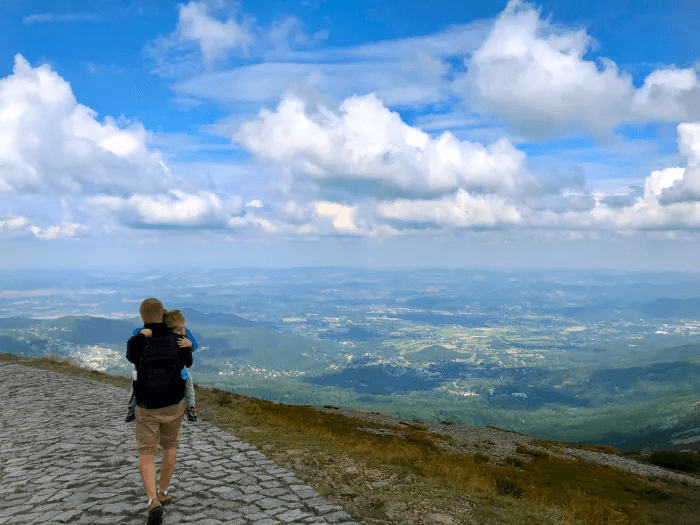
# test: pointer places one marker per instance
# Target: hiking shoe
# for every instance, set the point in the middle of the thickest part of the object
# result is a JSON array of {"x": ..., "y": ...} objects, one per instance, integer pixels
[
  {"x": 164, "y": 497},
  {"x": 155, "y": 515},
  {"x": 130, "y": 416},
  {"x": 191, "y": 416}
]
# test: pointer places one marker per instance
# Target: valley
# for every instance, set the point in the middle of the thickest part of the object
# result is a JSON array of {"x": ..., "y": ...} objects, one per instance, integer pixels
[{"x": 574, "y": 356}]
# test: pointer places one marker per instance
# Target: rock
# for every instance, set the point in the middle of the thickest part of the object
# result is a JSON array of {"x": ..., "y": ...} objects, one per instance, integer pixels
[
  {"x": 346, "y": 490},
  {"x": 408, "y": 480},
  {"x": 324, "y": 489},
  {"x": 267, "y": 448},
  {"x": 438, "y": 519},
  {"x": 392, "y": 509},
  {"x": 361, "y": 501},
  {"x": 352, "y": 471},
  {"x": 378, "y": 485}
]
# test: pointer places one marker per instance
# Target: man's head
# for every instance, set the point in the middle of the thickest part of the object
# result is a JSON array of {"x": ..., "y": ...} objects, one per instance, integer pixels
[
  {"x": 175, "y": 320},
  {"x": 151, "y": 311}
]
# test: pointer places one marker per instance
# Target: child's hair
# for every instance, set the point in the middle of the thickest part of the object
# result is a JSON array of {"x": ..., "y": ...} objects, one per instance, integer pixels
[
  {"x": 174, "y": 319},
  {"x": 151, "y": 310}
]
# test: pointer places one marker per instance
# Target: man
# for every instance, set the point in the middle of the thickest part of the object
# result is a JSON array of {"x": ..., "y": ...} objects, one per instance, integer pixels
[{"x": 160, "y": 391}]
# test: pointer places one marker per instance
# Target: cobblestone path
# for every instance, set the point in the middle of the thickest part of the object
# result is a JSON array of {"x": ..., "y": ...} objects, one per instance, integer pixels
[{"x": 67, "y": 456}]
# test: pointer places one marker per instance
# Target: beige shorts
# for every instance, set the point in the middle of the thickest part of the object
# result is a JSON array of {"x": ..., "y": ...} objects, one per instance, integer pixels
[{"x": 161, "y": 422}]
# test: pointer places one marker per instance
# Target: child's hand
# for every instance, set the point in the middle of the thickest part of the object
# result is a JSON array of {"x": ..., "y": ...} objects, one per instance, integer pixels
[
  {"x": 184, "y": 343},
  {"x": 146, "y": 331}
]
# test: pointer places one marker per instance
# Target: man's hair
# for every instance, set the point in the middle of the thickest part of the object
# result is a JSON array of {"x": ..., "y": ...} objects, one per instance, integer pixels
[
  {"x": 151, "y": 310},
  {"x": 174, "y": 319}
]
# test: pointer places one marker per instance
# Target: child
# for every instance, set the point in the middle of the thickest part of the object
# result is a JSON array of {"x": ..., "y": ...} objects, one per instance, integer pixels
[{"x": 176, "y": 322}]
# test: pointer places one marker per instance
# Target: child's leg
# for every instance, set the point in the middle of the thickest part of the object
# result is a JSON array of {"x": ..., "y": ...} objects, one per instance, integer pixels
[
  {"x": 132, "y": 397},
  {"x": 189, "y": 391}
]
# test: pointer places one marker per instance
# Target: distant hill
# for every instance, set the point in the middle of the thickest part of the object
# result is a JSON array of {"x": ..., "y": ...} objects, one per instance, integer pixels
[
  {"x": 196, "y": 317},
  {"x": 436, "y": 319},
  {"x": 96, "y": 330},
  {"x": 17, "y": 322},
  {"x": 433, "y": 354},
  {"x": 666, "y": 308},
  {"x": 88, "y": 330},
  {"x": 354, "y": 333}
]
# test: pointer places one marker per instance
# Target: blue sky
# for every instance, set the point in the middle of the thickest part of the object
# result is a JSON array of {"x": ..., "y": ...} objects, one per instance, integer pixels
[{"x": 372, "y": 133}]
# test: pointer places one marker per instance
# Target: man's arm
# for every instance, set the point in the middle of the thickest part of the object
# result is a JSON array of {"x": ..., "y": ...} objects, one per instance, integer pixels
[
  {"x": 134, "y": 348},
  {"x": 185, "y": 356}
]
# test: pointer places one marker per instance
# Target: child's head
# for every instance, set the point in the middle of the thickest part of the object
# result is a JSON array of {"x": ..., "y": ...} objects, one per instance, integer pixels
[
  {"x": 175, "y": 320},
  {"x": 151, "y": 311}
]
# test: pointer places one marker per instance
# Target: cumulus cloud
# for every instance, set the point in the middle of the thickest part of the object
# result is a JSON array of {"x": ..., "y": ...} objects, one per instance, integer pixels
[
  {"x": 689, "y": 142},
  {"x": 668, "y": 95},
  {"x": 683, "y": 184},
  {"x": 51, "y": 143},
  {"x": 363, "y": 140},
  {"x": 536, "y": 75},
  {"x": 176, "y": 209}
]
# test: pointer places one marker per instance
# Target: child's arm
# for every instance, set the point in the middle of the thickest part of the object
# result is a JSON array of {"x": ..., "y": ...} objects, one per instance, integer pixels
[
  {"x": 189, "y": 336},
  {"x": 144, "y": 331}
]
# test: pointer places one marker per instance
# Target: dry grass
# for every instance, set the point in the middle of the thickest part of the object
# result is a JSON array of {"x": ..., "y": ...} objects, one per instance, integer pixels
[{"x": 322, "y": 447}]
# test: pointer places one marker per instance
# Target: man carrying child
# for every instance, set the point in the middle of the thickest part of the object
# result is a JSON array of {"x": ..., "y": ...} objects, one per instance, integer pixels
[{"x": 160, "y": 391}]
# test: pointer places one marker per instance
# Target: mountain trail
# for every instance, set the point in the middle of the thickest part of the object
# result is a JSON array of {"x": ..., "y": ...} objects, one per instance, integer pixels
[{"x": 67, "y": 456}]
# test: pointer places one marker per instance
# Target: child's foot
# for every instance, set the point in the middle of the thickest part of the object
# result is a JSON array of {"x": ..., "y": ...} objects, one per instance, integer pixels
[
  {"x": 191, "y": 414},
  {"x": 130, "y": 416}
]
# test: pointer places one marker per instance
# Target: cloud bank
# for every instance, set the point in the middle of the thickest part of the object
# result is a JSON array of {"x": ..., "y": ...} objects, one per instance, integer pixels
[{"x": 536, "y": 76}]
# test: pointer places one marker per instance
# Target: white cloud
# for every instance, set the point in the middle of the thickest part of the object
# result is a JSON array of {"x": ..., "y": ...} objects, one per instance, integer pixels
[
  {"x": 363, "y": 140},
  {"x": 460, "y": 210},
  {"x": 14, "y": 223},
  {"x": 415, "y": 81},
  {"x": 50, "y": 143},
  {"x": 289, "y": 32},
  {"x": 682, "y": 184},
  {"x": 404, "y": 72},
  {"x": 213, "y": 37},
  {"x": 689, "y": 142},
  {"x": 62, "y": 231},
  {"x": 343, "y": 218},
  {"x": 535, "y": 75},
  {"x": 66, "y": 17},
  {"x": 668, "y": 95},
  {"x": 176, "y": 209}
]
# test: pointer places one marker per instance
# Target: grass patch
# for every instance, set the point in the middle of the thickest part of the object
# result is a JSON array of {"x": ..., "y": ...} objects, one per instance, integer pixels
[{"x": 681, "y": 461}]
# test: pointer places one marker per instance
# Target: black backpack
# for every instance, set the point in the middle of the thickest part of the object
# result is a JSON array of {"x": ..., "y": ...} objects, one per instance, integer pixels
[{"x": 159, "y": 381}]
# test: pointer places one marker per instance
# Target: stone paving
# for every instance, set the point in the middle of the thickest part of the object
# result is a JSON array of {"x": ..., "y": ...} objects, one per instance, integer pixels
[{"x": 67, "y": 456}]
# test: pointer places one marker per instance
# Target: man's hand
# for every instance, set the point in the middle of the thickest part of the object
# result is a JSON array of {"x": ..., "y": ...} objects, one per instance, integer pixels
[
  {"x": 146, "y": 331},
  {"x": 184, "y": 343}
]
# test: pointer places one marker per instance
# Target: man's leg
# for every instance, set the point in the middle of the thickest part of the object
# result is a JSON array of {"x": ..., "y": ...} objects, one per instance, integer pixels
[
  {"x": 148, "y": 474},
  {"x": 167, "y": 467},
  {"x": 146, "y": 440}
]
